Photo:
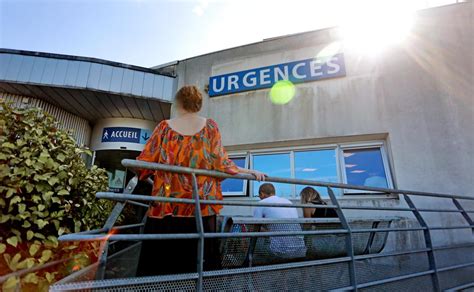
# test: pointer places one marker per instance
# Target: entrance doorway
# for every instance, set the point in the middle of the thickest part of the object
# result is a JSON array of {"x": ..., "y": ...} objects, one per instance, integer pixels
[{"x": 111, "y": 160}]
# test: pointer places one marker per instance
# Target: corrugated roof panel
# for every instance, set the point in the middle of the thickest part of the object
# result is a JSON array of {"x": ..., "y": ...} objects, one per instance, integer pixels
[
  {"x": 14, "y": 67},
  {"x": 168, "y": 89},
  {"x": 158, "y": 86},
  {"x": 4, "y": 61},
  {"x": 148, "y": 84},
  {"x": 83, "y": 74},
  {"x": 48, "y": 72},
  {"x": 116, "y": 80},
  {"x": 38, "y": 70},
  {"x": 94, "y": 75},
  {"x": 105, "y": 77},
  {"x": 137, "y": 85},
  {"x": 26, "y": 68},
  {"x": 60, "y": 72},
  {"x": 56, "y": 77},
  {"x": 127, "y": 81},
  {"x": 71, "y": 73}
]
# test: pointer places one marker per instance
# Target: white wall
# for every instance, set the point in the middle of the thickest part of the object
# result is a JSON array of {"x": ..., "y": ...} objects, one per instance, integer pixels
[{"x": 419, "y": 95}]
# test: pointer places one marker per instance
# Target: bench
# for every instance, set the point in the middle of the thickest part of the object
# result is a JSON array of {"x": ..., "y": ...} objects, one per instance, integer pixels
[{"x": 256, "y": 251}]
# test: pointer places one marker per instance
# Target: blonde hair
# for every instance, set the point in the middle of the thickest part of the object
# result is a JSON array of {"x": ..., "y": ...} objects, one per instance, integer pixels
[{"x": 310, "y": 195}]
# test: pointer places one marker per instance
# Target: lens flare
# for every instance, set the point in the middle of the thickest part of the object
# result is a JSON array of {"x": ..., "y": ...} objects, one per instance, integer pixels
[{"x": 282, "y": 92}]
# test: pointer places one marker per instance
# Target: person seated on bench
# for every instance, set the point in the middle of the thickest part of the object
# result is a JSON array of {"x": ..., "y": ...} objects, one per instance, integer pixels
[
  {"x": 309, "y": 195},
  {"x": 281, "y": 246}
]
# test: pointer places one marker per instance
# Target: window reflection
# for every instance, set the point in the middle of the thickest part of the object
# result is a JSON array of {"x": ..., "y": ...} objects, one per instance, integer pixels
[
  {"x": 364, "y": 167},
  {"x": 232, "y": 185},
  {"x": 317, "y": 165},
  {"x": 273, "y": 165}
]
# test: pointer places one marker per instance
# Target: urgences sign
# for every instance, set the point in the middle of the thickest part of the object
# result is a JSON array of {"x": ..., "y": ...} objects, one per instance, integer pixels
[{"x": 264, "y": 77}]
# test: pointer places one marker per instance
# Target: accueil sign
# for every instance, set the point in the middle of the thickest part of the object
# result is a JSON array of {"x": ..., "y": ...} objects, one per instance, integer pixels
[{"x": 264, "y": 77}]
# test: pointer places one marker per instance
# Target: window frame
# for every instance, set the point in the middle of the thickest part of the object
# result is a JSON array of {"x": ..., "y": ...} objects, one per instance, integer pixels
[
  {"x": 244, "y": 192},
  {"x": 339, "y": 159},
  {"x": 366, "y": 145}
]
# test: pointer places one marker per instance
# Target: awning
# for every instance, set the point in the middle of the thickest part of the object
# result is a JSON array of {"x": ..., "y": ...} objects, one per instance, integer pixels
[{"x": 91, "y": 88}]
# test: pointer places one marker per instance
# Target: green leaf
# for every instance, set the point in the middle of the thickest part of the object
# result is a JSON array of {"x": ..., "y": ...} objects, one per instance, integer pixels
[
  {"x": 41, "y": 223},
  {"x": 3, "y": 247},
  {"x": 46, "y": 255},
  {"x": 39, "y": 235},
  {"x": 61, "y": 157},
  {"x": 14, "y": 200},
  {"x": 8, "y": 145},
  {"x": 10, "y": 193},
  {"x": 34, "y": 249},
  {"x": 29, "y": 188},
  {"x": 53, "y": 180},
  {"x": 13, "y": 241},
  {"x": 63, "y": 192},
  {"x": 10, "y": 284},
  {"x": 21, "y": 208},
  {"x": 29, "y": 234},
  {"x": 31, "y": 278},
  {"x": 26, "y": 224},
  {"x": 4, "y": 218}
]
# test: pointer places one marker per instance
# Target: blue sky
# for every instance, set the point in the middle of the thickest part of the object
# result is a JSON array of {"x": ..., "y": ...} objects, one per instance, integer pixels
[{"x": 152, "y": 32}]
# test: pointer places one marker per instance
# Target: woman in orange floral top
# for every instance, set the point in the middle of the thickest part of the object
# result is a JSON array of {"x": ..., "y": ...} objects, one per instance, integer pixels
[{"x": 191, "y": 141}]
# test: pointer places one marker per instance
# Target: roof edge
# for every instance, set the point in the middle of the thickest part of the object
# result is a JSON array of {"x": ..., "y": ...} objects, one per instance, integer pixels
[{"x": 80, "y": 58}]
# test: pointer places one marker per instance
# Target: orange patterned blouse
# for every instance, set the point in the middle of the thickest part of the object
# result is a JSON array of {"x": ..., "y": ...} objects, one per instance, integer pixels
[{"x": 202, "y": 150}]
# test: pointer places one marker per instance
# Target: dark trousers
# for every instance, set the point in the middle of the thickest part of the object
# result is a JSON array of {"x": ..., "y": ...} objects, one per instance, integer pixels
[{"x": 160, "y": 257}]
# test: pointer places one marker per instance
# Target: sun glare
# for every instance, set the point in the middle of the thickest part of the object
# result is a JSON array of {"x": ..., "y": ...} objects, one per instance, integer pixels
[{"x": 374, "y": 25}]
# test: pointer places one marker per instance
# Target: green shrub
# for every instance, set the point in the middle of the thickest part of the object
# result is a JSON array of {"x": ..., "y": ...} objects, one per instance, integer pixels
[{"x": 46, "y": 190}]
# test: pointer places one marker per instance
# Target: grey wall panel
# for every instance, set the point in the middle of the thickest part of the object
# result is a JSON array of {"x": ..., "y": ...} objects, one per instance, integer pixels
[
  {"x": 120, "y": 105},
  {"x": 14, "y": 67},
  {"x": 105, "y": 77},
  {"x": 148, "y": 84},
  {"x": 158, "y": 86},
  {"x": 133, "y": 107},
  {"x": 127, "y": 81},
  {"x": 156, "y": 109},
  {"x": 37, "y": 71},
  {"x": 26, "y": 68},
  {"x": 168, "y": 89},
  {"x": 77, "y": 95},
  {"x": 111, "y": 108},
  {"x": 81, "y": 128},
  {"x": 71, "y": 73},
  {"x": 94, "y": 75},
  {"x": 96, "y": 103},
  {"x": 60, "y": 72},
  {"x": 144, "y": 108},
  {"x": 48, "y": 72},
  {"x": 83, "y": 74},
  {"x": 137, "y": 86},
  {"x": 4, "y": 61},
  {"x": 116, "y": 81}
]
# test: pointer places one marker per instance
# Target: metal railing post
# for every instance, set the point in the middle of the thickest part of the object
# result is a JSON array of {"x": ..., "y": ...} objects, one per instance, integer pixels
[
  {"x": 114, "y": 215},
  {"x": 428, "y": 242},
  {"x": 349, "y": 243},
  {"x": 464, "y": 213},
  {"x": 200, "y": 230}
]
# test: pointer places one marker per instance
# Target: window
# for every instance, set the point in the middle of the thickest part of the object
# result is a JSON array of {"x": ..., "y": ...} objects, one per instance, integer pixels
[
  {"x": 365, "y": 166},
  {"x": 317, "y": 165},
  {"x": 235, "y": 187},
  {"x": 362, "y": 164},
  {"x": 274, "y": 165}
]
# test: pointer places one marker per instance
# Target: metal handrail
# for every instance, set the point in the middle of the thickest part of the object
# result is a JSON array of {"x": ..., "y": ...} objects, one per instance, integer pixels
[
  {"x": 346, "y": 230},
  {"x": 130, "y": 163}
]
